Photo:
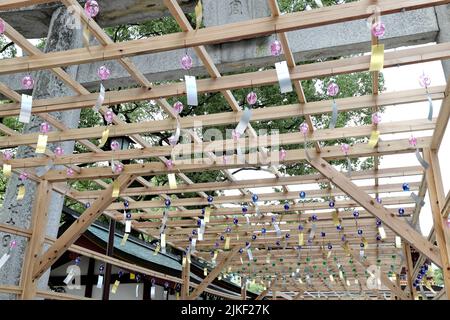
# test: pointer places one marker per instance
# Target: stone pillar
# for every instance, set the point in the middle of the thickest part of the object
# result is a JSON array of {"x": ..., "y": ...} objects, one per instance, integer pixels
[
  {"x": 443, "y": 17},
  {"x": 218, "y": 13},
  {"x": 60, "y": 37}
]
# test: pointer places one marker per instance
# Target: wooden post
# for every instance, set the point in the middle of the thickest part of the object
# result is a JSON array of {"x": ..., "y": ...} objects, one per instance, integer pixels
[
  {"x": 437, "y": 199},
  {"x": 37, "y": 237},
  {"x": 109, "y": 253},
  {"x": 185, "y": 276},
  {"x": 213, "y": 274},
  {"x": 90, "y": 278},
  {"x": 244, "y": 288},
  {"x": 78, "y": 227}
]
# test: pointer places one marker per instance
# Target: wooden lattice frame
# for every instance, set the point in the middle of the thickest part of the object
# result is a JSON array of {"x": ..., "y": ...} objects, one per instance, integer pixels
[{"x": 178, "y": 231}]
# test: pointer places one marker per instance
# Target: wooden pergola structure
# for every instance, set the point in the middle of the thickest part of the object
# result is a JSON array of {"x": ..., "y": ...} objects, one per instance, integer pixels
[{"x": 293, "y": 269}]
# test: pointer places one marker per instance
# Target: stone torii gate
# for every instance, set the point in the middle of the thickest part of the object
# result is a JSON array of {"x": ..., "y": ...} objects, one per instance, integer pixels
[{"x": 48, "y": 20}]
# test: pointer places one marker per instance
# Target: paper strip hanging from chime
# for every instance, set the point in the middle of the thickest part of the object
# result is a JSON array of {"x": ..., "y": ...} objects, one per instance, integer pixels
[
  {"x": 116, "y": 189},
  {"x": 158, "y": 247},
  {"x": 374, "y": 137},
  {"x": 100, "y": 98},
  {"x": 41, "y": 143},
  {"x": 7, "y": 170},
  {"x": 191, "y": 90},
  {"x": 115, "y": 286},
  {"x": 163, "y": 242},
  {"x": 104, "y": 138},
  {"x": 172, "y": 181},
  {"x": 25, "y": 108},
  {"x": 421, "y": 160},
  {"x": 21, "y": 192},
  {"x": 377, "y": 58},
  {"x": 198, "y": 14},
  {"x": 284, "y": 78},
  {"x": 207, "y": 214},
  {"x": 100, "y": 281},
  {"x": 124, "y": 239},
  {"x": 227, "y": 242}
]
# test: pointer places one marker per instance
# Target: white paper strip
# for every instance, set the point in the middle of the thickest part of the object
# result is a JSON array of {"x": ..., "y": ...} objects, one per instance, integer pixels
[
  {"x": 100, "y": 282},
  {"x": 313, "y": 231},
  {"x": 163, "y": 242},
  {"x": 3, "y": 259},
  {"x": 334, "y": 115},
  {"x": 25, "y": 108},
  {"x": 277, "y": 229},
  {"x": 398, "y": 242},
  {"x": 250, "y": 255},
  {"x": 243, "y": 123},
  {"x": 69, "y": 277},
  {"x": 152, "y": 292},
  {"x": 200, "y": 234},
  {"x": 137, "y": 290},
  {"x": 193, "y": 243},
  {"x": 101, "y": 98},
  {"x": 284, "y": 78},
  {"x": 128, "y": 226},
  {"x": 191, "y": 90}
]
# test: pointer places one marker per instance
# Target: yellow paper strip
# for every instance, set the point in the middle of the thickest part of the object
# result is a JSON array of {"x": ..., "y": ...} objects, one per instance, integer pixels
[
  {"x": 124, "y": 239},
  {"x": 374, "y": 137},
  {"x": 215, "y": 255},
  {"x": 7, "y": 170},
  {"x": 183, "y": 262},
  {"x": 189, "y": 258},
  {"x": 172, "y": 181},
  {"x": 300, "y": 239},
  {"x": 116, "y": 189},
  {"x": 335, "y": 216},
  {"x": 115, "y": 286},
  {"x": 158, "y": 247},
  {"x": 207, "y": 214},
  {"x": 132, "y": 276},
  {"x": 21, "y": 192},
  {"x": 227, "y": 243},
  {"x": 177, "y": 295},
  {"x": 41, "y": 143},
  {"x": 205, "y": 271},
  {"x": 104, "y": 138},
  {"x": 198, "y": 14},
  {"x": 377, "y": 58}
]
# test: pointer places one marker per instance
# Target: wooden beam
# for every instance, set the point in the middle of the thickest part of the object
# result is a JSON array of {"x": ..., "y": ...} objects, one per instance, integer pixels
[
  {"x": 35, "y": 244},
  {"x": 247, "y": 80},
  {"x": 213, "y": 274},
  {"x": 444, "y": 115},
  {"x": 255, "y": 183},
  {"x": 46, "y": 260},
  {"x": 436, "y": 194},
  {"x": 213, "y": 35},
  {"x": 186, "y": 278},
  {"x": 204, "y": 164},
  {"x": 401, "y": 228}
]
